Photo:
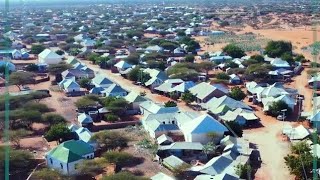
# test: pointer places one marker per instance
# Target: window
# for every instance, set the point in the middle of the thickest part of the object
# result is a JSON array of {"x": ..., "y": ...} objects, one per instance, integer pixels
[
  {"x": 75, "y": 166},
  {"x": 173, "y": 122},
  {"x": 61, "y": 165},
  {"x": 164, "y": 122},
  {"x": 51, "y": 161}
]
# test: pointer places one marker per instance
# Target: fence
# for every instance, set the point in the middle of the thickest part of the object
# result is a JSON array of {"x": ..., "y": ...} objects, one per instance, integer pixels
[{"x": 117, "y": 125}]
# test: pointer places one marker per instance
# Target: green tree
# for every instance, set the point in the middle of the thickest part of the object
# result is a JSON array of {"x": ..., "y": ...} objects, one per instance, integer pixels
[
  {"x": 170, "y": 104},
  {"x": 58, "y": 132},
  {"x": 258, "y": 70},
  {"x": 234, "y": 51},
  {"x": 52, "y": 118},
  {"x": 299, "y": 160},
  {"x": 29, "y": 106},
  {"x": 57, "y": 69},
  {"x": 93, "y": 57},
  {"x": 287, "y": 57},
  {"x": 20, "y": 79},
  {"x": 237, "y": 94},
  {"x": 118, "y": 158},
  {"x": 16, "y": 135},
  {"x": 134, "y": 74},
  {"x": 37, "y": 49},
  {"x": 85, "y": 102},
  {"x": 169, "y": 45},
  {"x": 85, "y": 83},
  {"x": 181, "y": 33},
  {"x": 110, "y": 140},
  {"x": 133, "y": 59},
  {"x": 258, "y": 58},
  {"x": 232, "y": 64},
  {"x": 92, "y": 167},
  {"x": 300, "y": 58},
  {"x": 19, "y": 160},
  {"x": 117, "y": 106},
  {"x": 189, "y": 58},
  {"x": 243, "y": 171},
  {"x": 278, "y": 48},
  {"x": 276, "y": 107},
  {"x": 222, "y": 76},
  {"x": 187, "y": 97},
  {"x": 206, "y": 66},
  {"x": 112, "y": 118}
]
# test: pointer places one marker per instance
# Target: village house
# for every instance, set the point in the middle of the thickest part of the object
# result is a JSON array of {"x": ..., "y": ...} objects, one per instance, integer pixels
[
  {"x": 204, "y": 92},
  {"x": 67, "y": 155},
  {"x": 48, "y": 57},
  {"x": 157, "y": 78}
]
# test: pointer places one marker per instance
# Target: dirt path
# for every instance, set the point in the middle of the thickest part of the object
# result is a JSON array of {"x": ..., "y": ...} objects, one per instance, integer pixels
[
  {"x": 267, "y": 140},
  {"x": 301, "y": 83}
]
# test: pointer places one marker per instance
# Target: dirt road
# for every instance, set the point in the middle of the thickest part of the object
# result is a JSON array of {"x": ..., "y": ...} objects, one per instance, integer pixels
[{"x": 267, "y": 140}]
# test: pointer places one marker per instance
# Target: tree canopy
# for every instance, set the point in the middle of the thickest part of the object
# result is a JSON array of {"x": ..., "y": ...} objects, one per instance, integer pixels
[
  {"x": 170, "y": 104},
  {"x": 58, "y": 132},
  {"x": 234, "y": 51},
  {"x": 278, "y": 48},
  {"x": 92, "y": 167},
  {"x": 37, "y": 49},
  {"x": 117, "y": 106},
  {"x": 237, "y": 94},
  {"x": 299, "y": 160},
  {"x": 21, "y": 78},
  {"x": 189, "y": 58},
  {"x": 188, "y": 98},
  {"x": 276, "y": 107},
  {"x": 49, "y": 174},
  {"x": 110, "y": 140}
]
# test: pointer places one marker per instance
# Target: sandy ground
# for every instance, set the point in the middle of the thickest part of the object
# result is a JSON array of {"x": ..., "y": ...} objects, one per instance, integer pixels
[
  {"x": 144, "y": 162},
  {"x": 271, "y": 147}
]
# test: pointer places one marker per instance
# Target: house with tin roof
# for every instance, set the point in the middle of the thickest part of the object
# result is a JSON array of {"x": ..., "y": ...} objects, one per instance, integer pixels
[
  {"x": 48, "y": 56},
  {"x": 205, "y": 91},
  {"x": 67, "y": 155}
]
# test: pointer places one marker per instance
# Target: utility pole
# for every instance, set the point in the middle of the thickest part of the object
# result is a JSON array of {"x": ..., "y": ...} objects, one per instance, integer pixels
[{"x": 6, "y": 118}]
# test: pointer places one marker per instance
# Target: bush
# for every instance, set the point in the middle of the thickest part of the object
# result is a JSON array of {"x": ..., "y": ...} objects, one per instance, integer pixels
[
  {"x": 222, "y": 76},
  {"x": 234, "y": 51},
  {"x": 237, "y": 94},
  {"x": 189, "y": 58},
  {"x": 170, "y": 104},
  {"x": 276, "y": 107},
  {"x": 43, "y": 108},
  {"x": 278, "y": 48},
  {"x": 118, "y": 158},
  {"x": 53, "y": 118},
  {"x": 112, "y": 118}
]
